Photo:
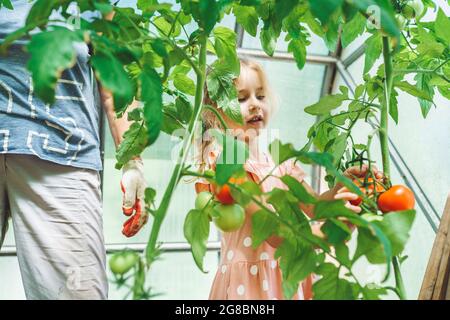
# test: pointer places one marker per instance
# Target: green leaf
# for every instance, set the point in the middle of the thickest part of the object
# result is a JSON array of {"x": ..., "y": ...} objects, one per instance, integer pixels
[
  {"x": 209, "y": 13},
  {"x": 232, "y": 158},
  {"x": 41, "y": 10},
  {"x": 196, "y": 232},
  {"x": 352, "y": 29},
  {"x": 330, "y": 286},
  {"x": 395, "y": 227},
  {"x": 386, "y": 14},
  {"x": 332, "y": 209},
  {"x": 133, "y": 143},
  {"x": 373, "y": 50},
  {"x": 432, "y": 49},
  {"x": 370, "y": 247},
  {"x": 336, "y": 231},
  {"x": 298, "y": 48},
  {"x": 159, "y": 47},
  {"x": 51, "y": 53},
  {"x": 359, "y": 91},
  {"x": 268, "y": 40},
  {"x": 373, "y": 292},
  {"x": 423, "y": 85},
  {"x": 170, "y": 121},
  {"x": 113, "y": 76},
  {"x": 332, "y": 32},
  {"x": 323, "y": 9},
  {"x": 225, "y": 47},
  {"x": 152, "y": 97},
  {"x": 7, "y": 4},
  {"x": 297, "y": 261},
  {"x": 184, "y": 109},
  {"x": 247, "y": 17},
  {"x": 147, "y": 6},
  {"x": 326, "y": 104},
  {"x": 393, "y": 106},
  {"x": 283, "y": 8},
  {"x": 442, "y": 27},
  {"x": 298, "y": 190},
  {"x": 264, "y": 224},
  {"x": 185, "y": 84},
  {"x": 338, "y": 148},
  {"x": 413, "y": 90},
  {"x": 149, "y": 195},
  {"x": 222, "y": 91},
  {"x": 281, "y": 152},
  {"x": 342, "y": 254},
  {"x": 135, "y": 115}
]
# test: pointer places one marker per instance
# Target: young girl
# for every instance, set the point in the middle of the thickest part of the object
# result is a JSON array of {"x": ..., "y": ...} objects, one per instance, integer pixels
[{"x": 244, "y": 272}]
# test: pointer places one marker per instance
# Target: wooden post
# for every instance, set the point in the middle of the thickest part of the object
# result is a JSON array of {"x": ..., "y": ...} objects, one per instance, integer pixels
[{"x": 435, "y": 285}]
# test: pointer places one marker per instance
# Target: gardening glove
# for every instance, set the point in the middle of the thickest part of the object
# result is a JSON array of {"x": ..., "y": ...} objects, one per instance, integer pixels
[{"x": 133, "y": 186}]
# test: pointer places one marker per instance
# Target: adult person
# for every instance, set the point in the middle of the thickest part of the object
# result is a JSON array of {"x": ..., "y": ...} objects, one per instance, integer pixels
[{"x": 49, "y": 173}]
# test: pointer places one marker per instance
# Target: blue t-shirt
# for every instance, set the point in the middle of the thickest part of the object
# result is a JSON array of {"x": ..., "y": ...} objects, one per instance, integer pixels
[{"x": 66, "y": 132}]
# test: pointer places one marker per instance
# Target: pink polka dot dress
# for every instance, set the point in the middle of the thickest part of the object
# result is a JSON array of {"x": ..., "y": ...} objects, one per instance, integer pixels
[{"x": 245, "y": 273}]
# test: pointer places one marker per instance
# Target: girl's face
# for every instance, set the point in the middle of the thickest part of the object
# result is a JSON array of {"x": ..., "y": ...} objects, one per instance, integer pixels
[{"x": 253, "y": 102}]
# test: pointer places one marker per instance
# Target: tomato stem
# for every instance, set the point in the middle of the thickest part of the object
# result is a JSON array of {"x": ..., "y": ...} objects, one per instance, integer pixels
[
  {"x": 384, "y": 143},
  {"x": 161, "y": 212}
]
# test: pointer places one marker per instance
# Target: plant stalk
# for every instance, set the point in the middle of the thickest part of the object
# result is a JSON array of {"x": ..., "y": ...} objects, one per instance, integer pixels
[
  {"x": 161, "y": 212},
  {"x": 384, "y": 143}
]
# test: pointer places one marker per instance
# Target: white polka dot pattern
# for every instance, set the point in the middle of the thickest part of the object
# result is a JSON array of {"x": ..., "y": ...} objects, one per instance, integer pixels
[
  {"x": 264, "y": 256},
  {"x": 230, "y": 254},
  {"x": 254, "y": 269},
  {"x": 224, "y": 269},
  {"x": 265, "y": 285},
  {"x": 240, "y": 290},
  {"x": 247, "y": 242}
]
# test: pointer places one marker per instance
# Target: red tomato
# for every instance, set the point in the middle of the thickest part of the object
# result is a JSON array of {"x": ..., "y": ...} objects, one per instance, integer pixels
[
  {"x": 397, "y": 198},
  {"x": 223, "y": 193},
  {"x": 363, "y": 187}
]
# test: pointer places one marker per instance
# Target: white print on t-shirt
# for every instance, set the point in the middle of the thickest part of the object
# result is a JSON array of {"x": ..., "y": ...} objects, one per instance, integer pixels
[
  {"x": 10, "y": 100},
  {"x": 5, "y": 134}
]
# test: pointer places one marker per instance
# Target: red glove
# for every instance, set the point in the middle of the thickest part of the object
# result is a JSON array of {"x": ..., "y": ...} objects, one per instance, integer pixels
[{"x": 133, "y": 187}]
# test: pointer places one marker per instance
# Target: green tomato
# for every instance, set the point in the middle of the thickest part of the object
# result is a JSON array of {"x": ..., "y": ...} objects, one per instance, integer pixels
[
  {"x": 413, "y": 9},
  {"x": 121, "y": 262},
  {"x": 401, "y": 21},
  {"x": 408, "y": 12},
  {"x": 203, "y": 198},
  {"x": 229, "y": 218}
]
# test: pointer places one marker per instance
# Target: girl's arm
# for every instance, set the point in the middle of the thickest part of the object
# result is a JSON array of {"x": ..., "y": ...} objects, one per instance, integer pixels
[{"x": 337, "y": 192}]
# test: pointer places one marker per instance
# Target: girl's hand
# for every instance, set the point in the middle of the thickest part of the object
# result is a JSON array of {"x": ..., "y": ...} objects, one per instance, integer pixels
[
  {"x": 345, "y": 195},
  {"x": 342, "y": 192},
  {"x": 360, "y": 172}
]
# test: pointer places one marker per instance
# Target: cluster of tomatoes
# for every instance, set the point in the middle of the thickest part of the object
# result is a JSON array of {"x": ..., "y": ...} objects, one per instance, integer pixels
[
  {"x": 396, "y": 198},
  {"x": 222, "y": 208}
]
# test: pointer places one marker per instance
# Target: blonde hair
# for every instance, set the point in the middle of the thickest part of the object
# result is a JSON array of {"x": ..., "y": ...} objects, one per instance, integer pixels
[{"x": 210, "y": 120}]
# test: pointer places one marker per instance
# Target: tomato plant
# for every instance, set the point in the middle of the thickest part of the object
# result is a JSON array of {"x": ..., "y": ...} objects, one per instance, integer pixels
[{"x": 146, "y": 54}]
